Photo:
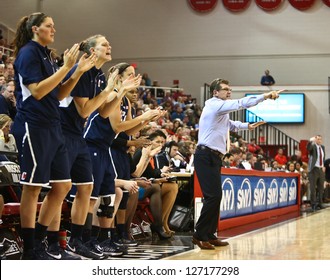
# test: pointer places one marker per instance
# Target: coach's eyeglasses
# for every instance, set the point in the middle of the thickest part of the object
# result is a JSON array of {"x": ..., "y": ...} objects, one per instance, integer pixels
[{"x": 226, "y": 89}]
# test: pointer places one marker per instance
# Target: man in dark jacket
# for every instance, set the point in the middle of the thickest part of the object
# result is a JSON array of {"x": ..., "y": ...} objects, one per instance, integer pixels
[{"x": 316, "y": 170}]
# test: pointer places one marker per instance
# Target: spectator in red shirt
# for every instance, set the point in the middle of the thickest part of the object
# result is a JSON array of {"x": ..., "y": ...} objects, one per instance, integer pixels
[
  {"x": 253, "y": 147},
  {"x": 281, "y": 158}
]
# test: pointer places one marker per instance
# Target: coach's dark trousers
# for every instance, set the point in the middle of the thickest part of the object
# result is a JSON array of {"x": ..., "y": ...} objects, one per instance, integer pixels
[
  {"x": 207, "y": 167},
  {"x": 316, "y": 179}
]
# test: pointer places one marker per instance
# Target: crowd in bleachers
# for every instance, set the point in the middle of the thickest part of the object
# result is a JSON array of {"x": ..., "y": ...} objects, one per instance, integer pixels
[
  {"x": 250, "y": 156},
  {"x": 180, "y": 123}
]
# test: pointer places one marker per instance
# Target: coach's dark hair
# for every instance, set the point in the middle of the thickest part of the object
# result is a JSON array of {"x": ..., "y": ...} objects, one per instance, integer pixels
[
  {"x": 24, "y": 30},
  {"x": 215, "y": 85}
]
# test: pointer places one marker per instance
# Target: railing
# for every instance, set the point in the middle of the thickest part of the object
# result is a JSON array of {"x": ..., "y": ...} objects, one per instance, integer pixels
[
  {"x": 266, "y": 134},
  {"x": 156, "y": 90},
  {"x": 6, "y": 51},
  {"x": 8, "y": 36}
]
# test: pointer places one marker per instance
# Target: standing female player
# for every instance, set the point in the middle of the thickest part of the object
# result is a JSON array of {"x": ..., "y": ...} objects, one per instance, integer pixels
[
  {"x": 43, "y": 155},
  {"x": 131, "y": 125},
  {"x": 100, "y": 131},
  {"x": 91, "y": 92}
]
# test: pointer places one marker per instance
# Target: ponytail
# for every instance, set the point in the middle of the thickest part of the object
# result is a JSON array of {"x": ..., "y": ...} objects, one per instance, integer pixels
[
  {"x": 24, "y": 30},
  {"x": 120, "y": 66},
  {"x": 21, "y": 36}
]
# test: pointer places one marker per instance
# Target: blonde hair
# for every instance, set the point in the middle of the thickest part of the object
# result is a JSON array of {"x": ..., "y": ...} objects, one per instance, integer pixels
[{"x": 4, "y": 119}]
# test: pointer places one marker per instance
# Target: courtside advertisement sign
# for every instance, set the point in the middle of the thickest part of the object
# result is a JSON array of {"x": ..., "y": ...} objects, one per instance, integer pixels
[{"x": 242, "y": 195}]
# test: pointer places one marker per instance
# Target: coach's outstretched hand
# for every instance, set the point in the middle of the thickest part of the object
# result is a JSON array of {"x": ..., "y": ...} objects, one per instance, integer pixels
[
  {"x": 256, "y": 124},
  {"x": 274, "y": 94}
]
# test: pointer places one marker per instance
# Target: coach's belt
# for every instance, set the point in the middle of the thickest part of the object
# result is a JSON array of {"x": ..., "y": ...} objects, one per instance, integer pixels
[{"x": 203, "y": 147}]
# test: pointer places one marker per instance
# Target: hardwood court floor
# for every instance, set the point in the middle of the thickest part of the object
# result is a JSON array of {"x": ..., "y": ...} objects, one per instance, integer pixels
[
  {"x": 303, "y": 237},
  {"x": 296, "y": 236}
]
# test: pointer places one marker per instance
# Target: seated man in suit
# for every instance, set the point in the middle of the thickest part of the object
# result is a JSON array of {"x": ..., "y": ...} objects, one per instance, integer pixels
[{"x": 249, "y": 162}]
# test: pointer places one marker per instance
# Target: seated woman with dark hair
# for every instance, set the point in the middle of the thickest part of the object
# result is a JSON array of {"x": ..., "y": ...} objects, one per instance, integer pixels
[
  {"x": 169, "y": 190},
  {"x": 148, "y": 189},
  {"x": 186, "y": 150}
]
